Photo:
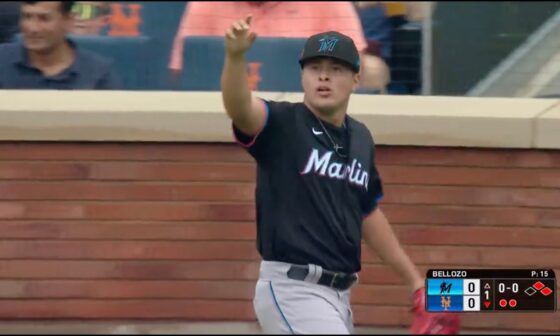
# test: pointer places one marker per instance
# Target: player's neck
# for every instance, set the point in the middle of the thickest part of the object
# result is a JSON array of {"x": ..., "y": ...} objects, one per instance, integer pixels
[{"x": 335, "y": 118}]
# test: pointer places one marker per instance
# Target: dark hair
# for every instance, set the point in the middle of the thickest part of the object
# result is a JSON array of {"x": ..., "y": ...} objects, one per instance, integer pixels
[{"x": 65, "y": 6}]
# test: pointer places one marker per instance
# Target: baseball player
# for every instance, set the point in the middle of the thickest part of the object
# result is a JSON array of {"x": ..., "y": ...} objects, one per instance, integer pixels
[{"x": 317, "y": 193}]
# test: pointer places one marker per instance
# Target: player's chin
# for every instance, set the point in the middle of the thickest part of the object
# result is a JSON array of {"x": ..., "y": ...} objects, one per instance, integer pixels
[
  {"x": 326, "y": 101},
  {"x": 324, "y": 105}
]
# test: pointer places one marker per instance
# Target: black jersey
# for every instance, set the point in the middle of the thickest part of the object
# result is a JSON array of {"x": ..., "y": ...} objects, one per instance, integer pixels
[{"x": 315, "y": 185}]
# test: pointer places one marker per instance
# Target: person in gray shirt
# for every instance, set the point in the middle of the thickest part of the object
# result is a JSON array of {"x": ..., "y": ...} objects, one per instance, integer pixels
[
  {"x": 46, "y": 58},
  {"x": 9, "y": 20}
]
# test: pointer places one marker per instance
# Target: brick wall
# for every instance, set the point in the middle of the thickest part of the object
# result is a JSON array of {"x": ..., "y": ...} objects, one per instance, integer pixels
[{"x": 165, "y": 231}]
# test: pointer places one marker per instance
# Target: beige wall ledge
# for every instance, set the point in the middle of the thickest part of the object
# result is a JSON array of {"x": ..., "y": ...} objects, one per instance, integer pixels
[
  {"x": 199, "y": 117},
  {"x": 547, "y": 131}
]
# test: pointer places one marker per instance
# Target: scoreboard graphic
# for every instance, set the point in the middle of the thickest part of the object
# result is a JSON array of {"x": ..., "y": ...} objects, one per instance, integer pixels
[{"x": 482, "y": 290}]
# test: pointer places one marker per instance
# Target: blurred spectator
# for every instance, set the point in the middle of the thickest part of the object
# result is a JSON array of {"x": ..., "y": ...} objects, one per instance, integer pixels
[
  {"x": 9, "y": 20},
  {"x": 417, "y": 11},
  {"x": 90, "y": 17},
  {"x": 46, "y": 58},
  {"x": 405, "y": 19},
  {"x": 280, "y": 19},
  {"x": 411, "y": 13},
  {"x": 377, "y": 28}
]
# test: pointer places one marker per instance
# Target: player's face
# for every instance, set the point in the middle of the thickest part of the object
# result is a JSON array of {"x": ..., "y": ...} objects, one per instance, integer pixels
[
  {"x": 328, "y": 84},
  {"x": 44, "y": 25}
]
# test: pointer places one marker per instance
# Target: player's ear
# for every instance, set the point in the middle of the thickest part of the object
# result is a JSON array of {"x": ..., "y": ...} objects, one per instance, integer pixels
[
  {"x": 301, "y": 78},
  {"x": 356, "y": 81}
]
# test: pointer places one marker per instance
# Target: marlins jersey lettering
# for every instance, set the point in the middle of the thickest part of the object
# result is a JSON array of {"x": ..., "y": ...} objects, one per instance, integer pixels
[{"x": 311, "y": 200}]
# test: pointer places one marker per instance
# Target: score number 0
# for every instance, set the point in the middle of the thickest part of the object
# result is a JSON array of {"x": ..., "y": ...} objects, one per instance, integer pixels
[
  {"x": 471, "y": 297},
  {"x": 502, "y": 287}
]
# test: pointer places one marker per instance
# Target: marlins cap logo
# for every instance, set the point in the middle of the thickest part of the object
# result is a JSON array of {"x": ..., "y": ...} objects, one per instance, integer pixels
[{"x": 327, "y": 43}]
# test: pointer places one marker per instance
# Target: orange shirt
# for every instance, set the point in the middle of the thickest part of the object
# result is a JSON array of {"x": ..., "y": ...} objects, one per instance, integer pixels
[
  {"x": 395, "y": 8},
  {"x": 296, "y": 19}
]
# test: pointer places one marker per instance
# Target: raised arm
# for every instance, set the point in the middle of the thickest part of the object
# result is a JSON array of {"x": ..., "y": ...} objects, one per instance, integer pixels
[{"x": 248, "y": 113}]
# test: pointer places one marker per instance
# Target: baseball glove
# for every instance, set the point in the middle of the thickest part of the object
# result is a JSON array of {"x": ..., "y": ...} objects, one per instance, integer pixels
[{"x": 432, "y": 323}]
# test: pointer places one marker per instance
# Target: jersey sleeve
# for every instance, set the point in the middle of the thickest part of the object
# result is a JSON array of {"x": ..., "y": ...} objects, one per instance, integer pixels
[
  {"x": 374, "y": 194},
  {"x": 265, "y": 144}
]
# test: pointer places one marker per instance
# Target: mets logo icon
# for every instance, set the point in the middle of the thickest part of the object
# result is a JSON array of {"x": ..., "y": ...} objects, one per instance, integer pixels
[{"x": 327, "y": 44}]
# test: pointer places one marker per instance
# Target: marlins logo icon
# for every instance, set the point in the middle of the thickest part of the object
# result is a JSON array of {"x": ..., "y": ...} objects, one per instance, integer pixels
[
  {"x": 327, "y": 44},
  {"x": 445, "y": 287}
]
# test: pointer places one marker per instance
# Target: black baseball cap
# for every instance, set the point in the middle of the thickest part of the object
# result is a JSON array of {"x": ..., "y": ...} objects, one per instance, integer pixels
[{"x": 331, "y": 44}]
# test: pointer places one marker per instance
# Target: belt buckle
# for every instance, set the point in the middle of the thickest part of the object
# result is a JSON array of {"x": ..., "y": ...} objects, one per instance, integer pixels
[{"x": 333, "y": 280}]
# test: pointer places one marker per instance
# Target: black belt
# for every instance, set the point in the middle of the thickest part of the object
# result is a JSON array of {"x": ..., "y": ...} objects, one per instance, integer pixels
[{"x": 336, "y": 280}]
